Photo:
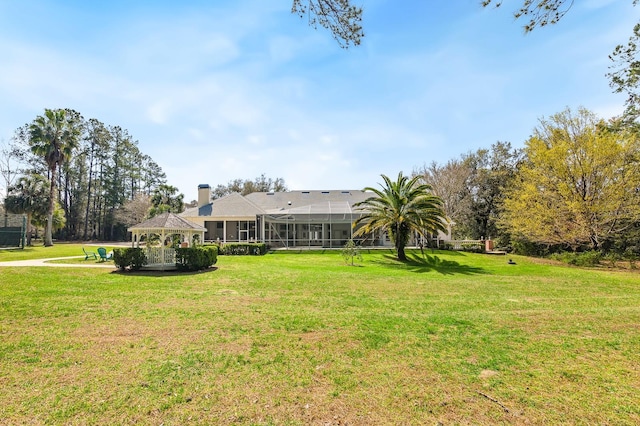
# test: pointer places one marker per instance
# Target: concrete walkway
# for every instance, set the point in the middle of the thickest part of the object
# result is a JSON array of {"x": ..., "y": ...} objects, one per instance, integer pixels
[{"x": 47, "y": 262}]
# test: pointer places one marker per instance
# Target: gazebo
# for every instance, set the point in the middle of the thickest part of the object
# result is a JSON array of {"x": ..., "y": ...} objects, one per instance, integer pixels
[{"x": 161, "y": 234}]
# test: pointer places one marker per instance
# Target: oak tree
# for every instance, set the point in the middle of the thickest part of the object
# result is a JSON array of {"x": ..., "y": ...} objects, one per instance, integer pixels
[{"x": 579, "y": 184}]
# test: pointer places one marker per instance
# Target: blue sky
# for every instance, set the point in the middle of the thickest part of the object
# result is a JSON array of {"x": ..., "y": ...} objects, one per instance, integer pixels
[{"x": 218, "y": 90}]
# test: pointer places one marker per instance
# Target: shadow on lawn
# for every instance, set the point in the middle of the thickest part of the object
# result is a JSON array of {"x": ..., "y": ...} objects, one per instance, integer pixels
[
  {"x": 159, "y": 274},
  {"x": 417, "y": 262}
]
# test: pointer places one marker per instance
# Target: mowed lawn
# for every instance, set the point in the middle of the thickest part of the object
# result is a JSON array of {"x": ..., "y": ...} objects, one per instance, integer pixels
[{"x": 302, "y": 338}]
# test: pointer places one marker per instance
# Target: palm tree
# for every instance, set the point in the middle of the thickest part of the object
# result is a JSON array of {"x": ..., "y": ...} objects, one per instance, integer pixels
[
  {"x": 53, "y": 137},
  {"x": 28, "y": 196},
  {"x": 400, "y": 208}
]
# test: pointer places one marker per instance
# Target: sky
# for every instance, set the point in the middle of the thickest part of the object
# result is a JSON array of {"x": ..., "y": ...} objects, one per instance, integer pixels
[{"x": 220, "y": 90}]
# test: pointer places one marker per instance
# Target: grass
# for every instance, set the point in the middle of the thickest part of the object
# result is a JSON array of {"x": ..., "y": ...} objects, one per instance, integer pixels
[
  {"x": 57, "y": 250},
  {"x": 302, "y": 338}
]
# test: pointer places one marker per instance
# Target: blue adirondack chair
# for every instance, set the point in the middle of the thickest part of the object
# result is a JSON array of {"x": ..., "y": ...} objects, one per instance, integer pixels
[
  {"x": 88, "y": 254},
  {"x": 102, "y": 252}
]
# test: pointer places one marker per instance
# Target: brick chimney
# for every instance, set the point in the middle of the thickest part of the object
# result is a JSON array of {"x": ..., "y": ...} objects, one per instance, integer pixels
[{"x": 204, "y": 195}]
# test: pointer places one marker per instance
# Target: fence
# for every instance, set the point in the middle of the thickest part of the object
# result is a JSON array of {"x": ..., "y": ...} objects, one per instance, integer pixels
[{"x": 13, "y": 230}]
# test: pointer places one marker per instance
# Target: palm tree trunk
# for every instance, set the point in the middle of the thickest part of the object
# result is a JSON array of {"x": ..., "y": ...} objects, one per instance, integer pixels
[
  {"x": 48, "y": 238},
  {"x": 401, "y": 254}
]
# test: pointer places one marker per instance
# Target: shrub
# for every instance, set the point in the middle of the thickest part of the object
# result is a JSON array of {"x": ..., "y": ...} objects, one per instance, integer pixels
[
  {"x": 252, "y": 249},
  {"x": 528, "y": 248},
  {"x": 129, "y": 258},
  {"x": 350, "y": 252},
  {"x": 196, "y": 258},
  {"x": 587, "y": 258},
  {"x": 613, "y": 258},
  {"x": 473, "y": 247},
  {"x": 631, "y": 254}
]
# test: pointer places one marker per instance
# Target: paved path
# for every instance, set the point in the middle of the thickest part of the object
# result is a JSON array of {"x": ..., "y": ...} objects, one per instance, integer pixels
[{"x": 47, "y": 262}]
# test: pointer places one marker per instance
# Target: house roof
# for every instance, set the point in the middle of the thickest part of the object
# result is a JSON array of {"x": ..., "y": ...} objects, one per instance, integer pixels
[
  {"x": 323, "y": 201},
  {"x": 290, "y": 202},
  {"x": 235, "y": 205},
  {"x": 167, "y": 221},
  {"x": 232, "y": 205}
]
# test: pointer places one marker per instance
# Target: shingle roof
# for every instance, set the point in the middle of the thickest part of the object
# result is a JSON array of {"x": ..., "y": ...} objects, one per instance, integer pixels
[
  {"x": 339, "y": 201},
  {"x": 291, "y": 202},
  {"x": 167, "y": 221},
  {"x": 234, "y": 205}
]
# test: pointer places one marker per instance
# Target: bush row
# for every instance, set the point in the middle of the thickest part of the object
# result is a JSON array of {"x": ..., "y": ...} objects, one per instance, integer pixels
[
  {"x": 253, "y": 249},
  {"x": 595, "y": 258},
  {"x": 587, "y": 258},
  {"x": 468, "y": 247}
]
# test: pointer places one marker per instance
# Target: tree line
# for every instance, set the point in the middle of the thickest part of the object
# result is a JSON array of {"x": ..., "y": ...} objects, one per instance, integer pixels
[
  {"x": 78, "y": 178},
  {"x": 575, "y": 185}
]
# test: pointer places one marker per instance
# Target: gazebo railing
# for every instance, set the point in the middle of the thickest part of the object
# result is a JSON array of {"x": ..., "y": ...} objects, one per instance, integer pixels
[{"x": 161, "y": 256}]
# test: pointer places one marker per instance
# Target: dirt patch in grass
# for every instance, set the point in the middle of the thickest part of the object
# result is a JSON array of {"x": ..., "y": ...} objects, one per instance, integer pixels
[{"x": 487, "y": 374}]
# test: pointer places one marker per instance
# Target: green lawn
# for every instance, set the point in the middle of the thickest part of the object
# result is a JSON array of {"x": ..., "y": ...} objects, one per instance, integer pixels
[
  {"x": 302, "y": 338},
  {"x": 57, "y": 250}
]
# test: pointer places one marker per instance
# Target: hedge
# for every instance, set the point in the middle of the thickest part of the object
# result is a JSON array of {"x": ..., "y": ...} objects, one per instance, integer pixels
[
  {"x": 196, "y": 258},
  {"x": 129, "y": 258},
  {"x": 246, "y": 249}
]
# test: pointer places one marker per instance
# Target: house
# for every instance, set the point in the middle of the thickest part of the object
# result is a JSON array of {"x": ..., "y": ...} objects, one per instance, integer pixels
[{"x": 282, "y": 219}]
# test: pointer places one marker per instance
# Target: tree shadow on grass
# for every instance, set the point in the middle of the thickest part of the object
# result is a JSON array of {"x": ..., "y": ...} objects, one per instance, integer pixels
[{"x": 421, "y": 263}]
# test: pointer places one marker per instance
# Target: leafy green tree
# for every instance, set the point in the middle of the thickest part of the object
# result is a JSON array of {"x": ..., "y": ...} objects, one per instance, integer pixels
[
  {"x": 492, "y": 173},
  {"x": 166, "y": 199},
  {"x": 578, "y": 185},
  {"x": 401, "y": 208},
  {"x": 472, "y": 189},
  {"x": 151, "y": 175},
  {"x": 96, "y": 139},
  {"x": 29, "y": 196},
  {"x": 53, "y": 136}
]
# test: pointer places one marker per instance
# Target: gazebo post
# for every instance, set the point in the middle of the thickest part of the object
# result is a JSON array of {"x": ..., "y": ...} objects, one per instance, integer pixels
[{"x": 162, "y": 238}]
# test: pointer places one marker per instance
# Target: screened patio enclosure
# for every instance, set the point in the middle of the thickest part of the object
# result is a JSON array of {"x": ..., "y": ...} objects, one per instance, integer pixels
[
  {"x": 290, "y": 219},
  {"x": 327, "y": 225},
  {"x": 232, "y": 230}
]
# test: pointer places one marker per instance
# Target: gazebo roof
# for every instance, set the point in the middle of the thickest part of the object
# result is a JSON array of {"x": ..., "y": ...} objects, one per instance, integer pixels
[{"x": 167, "y": 221}]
